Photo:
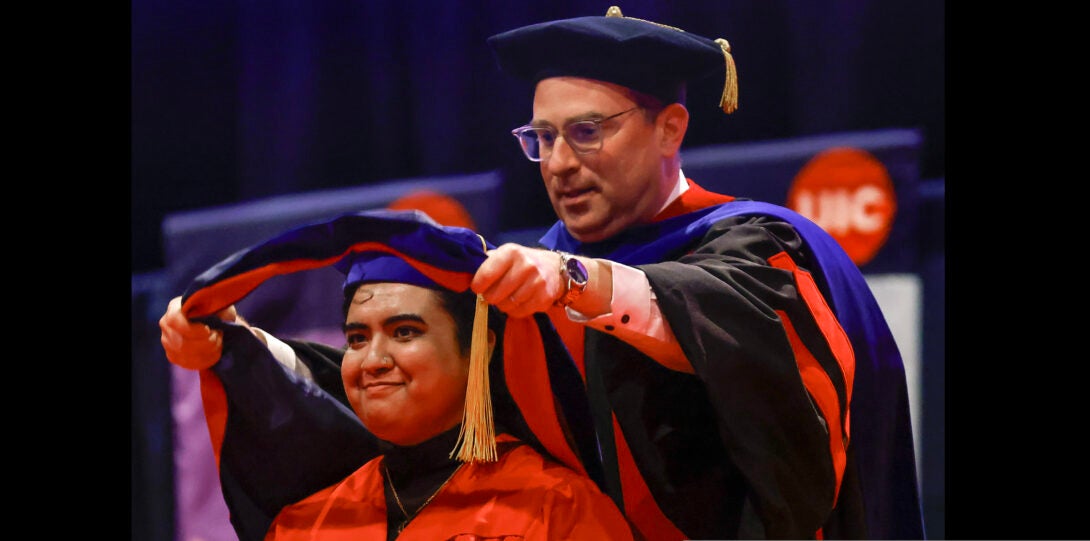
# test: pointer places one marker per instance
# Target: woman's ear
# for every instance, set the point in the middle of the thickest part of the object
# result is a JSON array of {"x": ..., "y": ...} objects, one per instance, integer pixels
[
  {"x": 672, "y": 123},
  {"x": 491, "y": 342}
]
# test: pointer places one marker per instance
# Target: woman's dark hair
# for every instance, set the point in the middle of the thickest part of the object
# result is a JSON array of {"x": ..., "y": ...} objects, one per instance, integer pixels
[{"x": 463, "y": 307}]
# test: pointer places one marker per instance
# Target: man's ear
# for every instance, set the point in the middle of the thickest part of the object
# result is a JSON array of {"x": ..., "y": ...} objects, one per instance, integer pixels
[{"x": 672, "y": 123}]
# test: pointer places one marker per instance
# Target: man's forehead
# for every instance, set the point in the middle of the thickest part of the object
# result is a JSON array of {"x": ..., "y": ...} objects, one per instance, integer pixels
[{"x": 578, "y": 96}]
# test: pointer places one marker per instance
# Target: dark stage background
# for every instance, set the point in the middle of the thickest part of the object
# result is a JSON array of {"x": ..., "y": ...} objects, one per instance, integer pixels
[{"x": 238, "y": 100}]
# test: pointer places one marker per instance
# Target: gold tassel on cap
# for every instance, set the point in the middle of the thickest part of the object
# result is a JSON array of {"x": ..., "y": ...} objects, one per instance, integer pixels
[
  {"x": 477, "y": 438},
  {"x": 729, "y": 101}
]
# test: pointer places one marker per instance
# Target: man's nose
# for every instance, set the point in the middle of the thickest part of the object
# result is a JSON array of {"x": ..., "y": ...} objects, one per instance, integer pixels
[{"x": 563, "y": 157}]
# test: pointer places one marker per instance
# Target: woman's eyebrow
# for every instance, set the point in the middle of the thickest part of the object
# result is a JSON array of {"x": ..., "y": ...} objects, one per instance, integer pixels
[
  {"x": 403, "y": 317},
  {"x": 388, "y": 321}
]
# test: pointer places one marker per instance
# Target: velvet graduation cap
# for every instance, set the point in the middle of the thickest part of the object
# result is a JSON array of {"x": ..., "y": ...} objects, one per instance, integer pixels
[
  {"x": 645, "y": 56},
  {"x": 278, "y": 438}
]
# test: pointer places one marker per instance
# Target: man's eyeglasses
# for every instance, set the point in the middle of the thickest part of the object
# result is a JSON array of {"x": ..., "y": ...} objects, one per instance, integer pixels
[{"x": 583, "y": 136}]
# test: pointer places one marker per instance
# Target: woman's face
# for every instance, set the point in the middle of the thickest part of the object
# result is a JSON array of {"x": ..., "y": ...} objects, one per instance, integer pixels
[{"x": 403, "y": 371}]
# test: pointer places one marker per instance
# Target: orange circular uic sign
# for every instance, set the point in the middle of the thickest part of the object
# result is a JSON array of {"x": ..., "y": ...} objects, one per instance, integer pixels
[{"x": 849, "y": 193}]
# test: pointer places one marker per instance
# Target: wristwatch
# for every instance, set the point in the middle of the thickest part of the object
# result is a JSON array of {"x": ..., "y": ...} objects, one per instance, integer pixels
[{"x": 576, "y": 275}]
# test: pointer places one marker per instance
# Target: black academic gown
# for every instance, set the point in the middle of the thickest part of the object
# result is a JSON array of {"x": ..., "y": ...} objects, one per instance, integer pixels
[{"x": 745, "y": 448}]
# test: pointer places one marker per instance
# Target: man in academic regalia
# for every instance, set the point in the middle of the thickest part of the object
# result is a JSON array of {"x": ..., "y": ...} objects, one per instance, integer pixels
[{"x": 743, "y": 381}]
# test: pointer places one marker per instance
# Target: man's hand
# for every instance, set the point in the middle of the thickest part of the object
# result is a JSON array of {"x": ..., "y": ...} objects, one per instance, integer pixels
[
  {"x": 519, "y": 280},
  {"x": 192, "y": 345}
]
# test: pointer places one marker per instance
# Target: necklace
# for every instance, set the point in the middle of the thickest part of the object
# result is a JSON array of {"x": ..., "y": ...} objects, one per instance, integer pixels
[{"x": 397, "y": 499}]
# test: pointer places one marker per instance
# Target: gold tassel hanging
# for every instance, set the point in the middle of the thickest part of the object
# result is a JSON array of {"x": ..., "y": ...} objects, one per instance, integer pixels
[
  {"x": 477, "y": 438},
  {"x": 729, "y": 101}
]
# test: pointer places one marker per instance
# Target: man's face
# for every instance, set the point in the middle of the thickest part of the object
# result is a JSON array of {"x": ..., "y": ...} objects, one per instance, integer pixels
[
  {"x": 420, "y": 390},
  {"x": 601, "y": 193}
]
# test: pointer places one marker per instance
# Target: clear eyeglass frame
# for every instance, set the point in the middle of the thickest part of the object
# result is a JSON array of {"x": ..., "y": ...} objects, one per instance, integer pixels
[{"x": 583, "y": 136}]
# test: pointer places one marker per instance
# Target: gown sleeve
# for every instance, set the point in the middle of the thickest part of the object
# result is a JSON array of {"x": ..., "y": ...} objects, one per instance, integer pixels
[
  {"x": 774, "y": 362},
  {"x": 276, "y": 437}
]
